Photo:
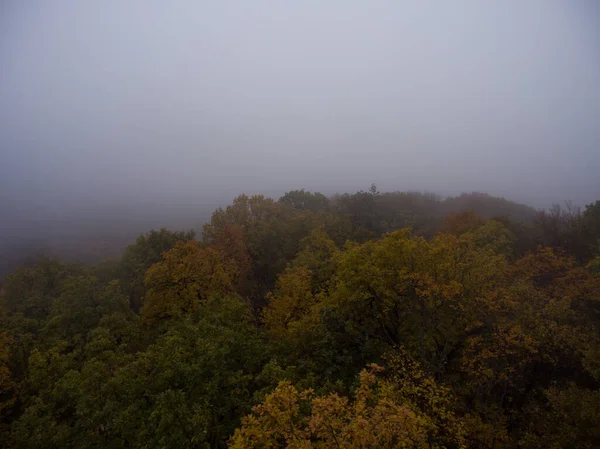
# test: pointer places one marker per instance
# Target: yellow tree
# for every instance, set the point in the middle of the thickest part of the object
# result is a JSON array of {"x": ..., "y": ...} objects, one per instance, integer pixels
[
  {"x": 292, "y": 419},
  {"x": 425, "y": 295},
  {"x": 290, "y": 302},
  {"x": 544, "y": 331},
  {"x": 295, "y": 302},
  {"x": 230, "y": 242},
  {"x": 188, "y": 275}
]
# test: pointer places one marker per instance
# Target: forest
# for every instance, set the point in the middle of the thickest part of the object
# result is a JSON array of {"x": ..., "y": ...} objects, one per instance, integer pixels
[{"x": 365, "y": 320}]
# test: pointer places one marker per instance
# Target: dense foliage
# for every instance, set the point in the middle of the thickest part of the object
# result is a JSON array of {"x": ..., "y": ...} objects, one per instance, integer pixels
[{"x": 363, "y": 320}]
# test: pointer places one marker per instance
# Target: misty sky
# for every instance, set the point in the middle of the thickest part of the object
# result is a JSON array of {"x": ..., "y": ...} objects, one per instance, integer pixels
[{"x": 121, "y": 101}]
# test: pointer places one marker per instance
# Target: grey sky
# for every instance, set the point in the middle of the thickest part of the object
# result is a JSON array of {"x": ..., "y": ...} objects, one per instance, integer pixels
[{"x": 121, "y": 101}]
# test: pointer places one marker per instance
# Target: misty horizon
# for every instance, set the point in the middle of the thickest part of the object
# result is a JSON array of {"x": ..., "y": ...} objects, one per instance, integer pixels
[{"x": 113, "y": 106}]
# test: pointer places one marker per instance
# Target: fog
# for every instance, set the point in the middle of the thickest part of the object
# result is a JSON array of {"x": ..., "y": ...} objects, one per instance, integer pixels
[{"x": 148, "y": 113}]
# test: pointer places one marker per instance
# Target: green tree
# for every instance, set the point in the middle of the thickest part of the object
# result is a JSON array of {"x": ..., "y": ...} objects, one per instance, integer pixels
[
  {"x": 568, "y": 418},
  {"x": 190, "y": 388},
  {"x": 8, "y": 387},
  {"x": 138, "y": 257},
  {"x": 80, "y": 307},
  {"x": 260, "y": 221},
  {"x": 404, "y": 290},
  {"x": 303, "y": 200},
  {"x": 318, "y": 253},
  {"x": 31, "y": 291}
]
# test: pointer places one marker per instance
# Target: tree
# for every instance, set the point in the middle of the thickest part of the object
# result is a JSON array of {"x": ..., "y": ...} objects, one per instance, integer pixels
[
  {"x": 190, "y": 388},
  {"x": 246, "y": 212},
  {"x": 461, "y": 223},
  {"x": 303, "y": 200},
  {"x": 415, "y": 210},
  {"x": 591, "y": 226},
  {"x": 291, "y": 302},
  {"x": 594, "y": 265},
  {"x": 318, "y": 253},
  {"x": 187, "y": 389},
  {"x": 494, "y": 237},
  {"x": 543, "y": 332},
  {"x": 80, "y": 307},
  {"x": 361, "y": 209},
  {"x": 31, "y": 291},
  {"x": 261, "y": 224},
  {"x": 8, "y": 387},
  {"x": 524, "y": 234},
  {"x": 272, "y": 232},
  {"x": 230, "y": 243},
  {"x": 408, "y": 384},
  {"x": 295, "y": 419},
  {"x": 188, "y": 276},
  {"x": 563, "y": 227},
  {"x": 145, "y": 252},
  {"x": 568, "y": 418},
  {"x": 404, "y": 290},
  {"x": 487, "y": 206}
]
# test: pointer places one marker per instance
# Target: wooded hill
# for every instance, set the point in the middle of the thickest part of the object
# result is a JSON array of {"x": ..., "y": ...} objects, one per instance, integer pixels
[{"x": 363, "y": 320}]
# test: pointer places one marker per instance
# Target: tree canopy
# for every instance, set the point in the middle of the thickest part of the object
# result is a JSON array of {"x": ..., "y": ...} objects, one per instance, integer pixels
[{"x": 374, "y": 319}]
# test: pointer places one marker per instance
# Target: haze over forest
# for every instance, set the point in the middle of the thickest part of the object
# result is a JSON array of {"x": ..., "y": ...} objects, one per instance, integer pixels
[
  {"x": 121, "y": 116},
  {"x": 299, "y": 224}
]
